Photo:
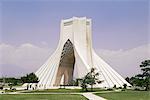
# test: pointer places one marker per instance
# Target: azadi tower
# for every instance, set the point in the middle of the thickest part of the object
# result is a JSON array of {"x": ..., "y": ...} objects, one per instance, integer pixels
[{"x": 74, "y": 58}]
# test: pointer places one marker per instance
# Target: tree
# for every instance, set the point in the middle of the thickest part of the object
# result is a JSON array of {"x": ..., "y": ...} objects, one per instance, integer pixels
[
  {"x": 30, "y": 78},
  {"x": 143, "y": 79},
  {"x": 24, "y": 79},
  {"x": 136, "y": 81},
  {"x": 90, "y": 79},
  {"x": 145, "y": 67},
  {"x": 12, "y": 80}
]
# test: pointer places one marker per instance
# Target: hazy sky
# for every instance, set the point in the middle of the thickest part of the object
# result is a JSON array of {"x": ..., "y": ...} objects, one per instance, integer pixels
[{"x": 117, "y": 26}]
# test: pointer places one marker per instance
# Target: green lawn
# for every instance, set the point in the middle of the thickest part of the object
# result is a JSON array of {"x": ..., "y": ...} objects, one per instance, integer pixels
[
  {"x": 61, "y": 91},
  {"x": 54, "y": 91},
  {"x": 126, "y": 95},
  {"x": 41, "y": 97}
]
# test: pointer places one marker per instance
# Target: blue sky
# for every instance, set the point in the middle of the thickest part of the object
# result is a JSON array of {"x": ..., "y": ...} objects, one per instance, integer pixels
[
  {"x": 116, "y": 24},
  {"x": 34, "y": 22}
]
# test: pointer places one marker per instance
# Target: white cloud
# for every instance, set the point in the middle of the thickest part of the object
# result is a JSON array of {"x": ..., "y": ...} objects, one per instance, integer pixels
[
  {"x": 28, "y": 58},
  {"x": 126, "y": 62},
  {"x": 45, "y": 44}
]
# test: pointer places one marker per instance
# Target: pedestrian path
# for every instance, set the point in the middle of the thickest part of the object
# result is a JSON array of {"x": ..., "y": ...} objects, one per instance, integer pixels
[{"x": 92, "y": 96}]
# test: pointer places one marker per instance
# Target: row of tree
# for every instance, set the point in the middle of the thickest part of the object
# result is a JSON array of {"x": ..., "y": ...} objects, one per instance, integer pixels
[
  {"x": 12, "y": 80},
  {"x": 29, "y": 78},
  {"x": 143, "y": 79}
]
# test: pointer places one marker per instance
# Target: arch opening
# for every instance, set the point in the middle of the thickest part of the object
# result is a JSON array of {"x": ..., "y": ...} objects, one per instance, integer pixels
[{"x": 66, "y": 65}]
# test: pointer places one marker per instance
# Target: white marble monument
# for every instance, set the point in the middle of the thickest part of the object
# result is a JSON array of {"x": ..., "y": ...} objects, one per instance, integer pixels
[{"x": 74, "y": 58}]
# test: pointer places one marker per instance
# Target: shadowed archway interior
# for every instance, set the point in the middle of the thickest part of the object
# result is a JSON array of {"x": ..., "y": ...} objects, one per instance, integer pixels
[{"x": 66, "y": 65}]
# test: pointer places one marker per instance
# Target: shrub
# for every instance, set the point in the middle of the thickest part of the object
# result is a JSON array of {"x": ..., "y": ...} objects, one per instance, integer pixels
[{"x": 109, "y": 89}]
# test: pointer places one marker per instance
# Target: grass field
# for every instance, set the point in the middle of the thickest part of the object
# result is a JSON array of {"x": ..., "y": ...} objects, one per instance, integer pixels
[
  {"x": 126, "y": 95},
  {"x": 41, "y": 97},
  {"x": 61, "y": 91},
  {"x": 122, "y": 95},
  {"x": 55, "y": 91}
]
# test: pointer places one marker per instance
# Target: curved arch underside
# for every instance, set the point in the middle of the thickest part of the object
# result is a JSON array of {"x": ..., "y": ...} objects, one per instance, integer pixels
[{"x": 66, "y": 65}]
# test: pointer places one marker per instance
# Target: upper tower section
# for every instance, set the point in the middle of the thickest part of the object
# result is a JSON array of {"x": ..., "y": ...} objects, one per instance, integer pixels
[
  {"x": 75, "y": 28},
  {"x": 70, "y": 21}
]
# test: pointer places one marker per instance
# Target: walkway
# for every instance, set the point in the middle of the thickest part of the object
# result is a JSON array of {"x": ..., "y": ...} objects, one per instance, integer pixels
[{"x": 92, "y": 96}]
